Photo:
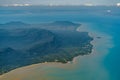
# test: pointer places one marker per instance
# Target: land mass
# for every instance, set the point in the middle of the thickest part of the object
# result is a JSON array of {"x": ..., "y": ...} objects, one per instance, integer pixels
[{"x": 24, "y": 44}]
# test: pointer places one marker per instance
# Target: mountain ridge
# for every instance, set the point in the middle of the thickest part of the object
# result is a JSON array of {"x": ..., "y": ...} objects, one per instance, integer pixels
[{"x": 28, "y": 45}]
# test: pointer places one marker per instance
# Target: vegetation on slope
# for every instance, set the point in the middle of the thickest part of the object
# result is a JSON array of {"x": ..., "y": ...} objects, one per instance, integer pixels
[{"x": 25, "y": 46}]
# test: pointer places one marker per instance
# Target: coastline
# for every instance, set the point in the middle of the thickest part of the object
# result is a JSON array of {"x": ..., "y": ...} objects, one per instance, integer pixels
[{"x": 30, "y": 70}]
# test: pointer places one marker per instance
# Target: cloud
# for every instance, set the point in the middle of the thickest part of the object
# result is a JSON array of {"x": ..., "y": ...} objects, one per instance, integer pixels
[
  {"x": 118, "y": 4},
  {"x": 65, "y": 2}
]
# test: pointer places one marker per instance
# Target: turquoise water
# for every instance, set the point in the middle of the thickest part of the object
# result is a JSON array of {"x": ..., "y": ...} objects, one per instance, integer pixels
[{"x": 100, "y": 20}]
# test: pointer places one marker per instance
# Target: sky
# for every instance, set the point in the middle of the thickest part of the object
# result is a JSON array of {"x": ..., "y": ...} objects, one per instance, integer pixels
[{"x": 60, "y": 2}]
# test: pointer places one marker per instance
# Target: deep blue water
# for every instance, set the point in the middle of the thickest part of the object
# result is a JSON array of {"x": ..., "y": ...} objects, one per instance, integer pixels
[{"x": 107, "y": 22}]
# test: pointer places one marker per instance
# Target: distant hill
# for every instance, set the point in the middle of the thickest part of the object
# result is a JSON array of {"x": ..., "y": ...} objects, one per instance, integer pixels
[
  {"x": 54, "y": 26},
  {"x": 36, "y": 43},
  {"x": 14, "y": 24},
  {"x": 64, "y": 23},
  {"x": 59, "y": 25}
]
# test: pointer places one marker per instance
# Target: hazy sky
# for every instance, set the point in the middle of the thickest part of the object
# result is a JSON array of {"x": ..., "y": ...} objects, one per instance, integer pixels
[{"x": 64, "y": 2}]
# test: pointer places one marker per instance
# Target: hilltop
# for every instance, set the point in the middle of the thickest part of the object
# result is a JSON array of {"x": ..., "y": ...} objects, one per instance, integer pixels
[{"x": 37, "y": 43}]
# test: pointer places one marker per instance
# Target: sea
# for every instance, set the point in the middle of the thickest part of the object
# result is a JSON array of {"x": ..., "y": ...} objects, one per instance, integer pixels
[{"x": 101, "y": 21}]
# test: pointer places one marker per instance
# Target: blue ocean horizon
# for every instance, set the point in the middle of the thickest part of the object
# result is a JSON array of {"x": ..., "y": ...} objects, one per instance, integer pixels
[{"x": 103, "y": 21}]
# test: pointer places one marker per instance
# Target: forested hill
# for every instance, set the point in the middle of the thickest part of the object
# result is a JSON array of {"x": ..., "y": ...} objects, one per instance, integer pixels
[{"x": 24, "y": 44}]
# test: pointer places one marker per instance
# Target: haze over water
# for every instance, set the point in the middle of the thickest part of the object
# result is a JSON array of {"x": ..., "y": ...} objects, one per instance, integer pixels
[{"x": 103, "y": 63}]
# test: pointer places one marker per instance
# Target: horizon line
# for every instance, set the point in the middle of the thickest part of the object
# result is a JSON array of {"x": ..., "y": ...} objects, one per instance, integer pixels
[{"x": 54, "y": 5}]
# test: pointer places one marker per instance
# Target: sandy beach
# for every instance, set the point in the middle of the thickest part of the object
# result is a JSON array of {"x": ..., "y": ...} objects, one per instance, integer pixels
[{"x": 41, "y": 71}]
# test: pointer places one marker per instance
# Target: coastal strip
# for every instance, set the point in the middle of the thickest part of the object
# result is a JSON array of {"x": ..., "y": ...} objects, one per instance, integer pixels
[{"x": 25, "y": 73}]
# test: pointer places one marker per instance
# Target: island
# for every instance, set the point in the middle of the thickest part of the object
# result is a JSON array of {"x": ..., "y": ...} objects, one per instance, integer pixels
[{"x": 24, "y": 44}]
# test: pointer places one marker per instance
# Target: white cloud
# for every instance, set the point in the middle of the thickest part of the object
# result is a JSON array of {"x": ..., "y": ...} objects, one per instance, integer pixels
[
  {"x": 89, "y": 4},
  {"x": 118, "y": 4},
  {"x": 16, "y": 5}
]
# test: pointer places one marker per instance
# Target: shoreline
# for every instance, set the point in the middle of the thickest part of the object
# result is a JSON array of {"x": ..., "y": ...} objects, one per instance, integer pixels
[
  {"x": 59, "y": 64},
  {"x": 19, "y": 72}
]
